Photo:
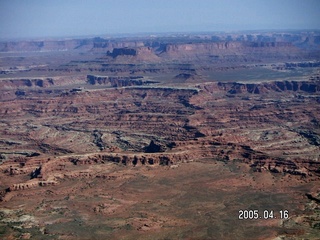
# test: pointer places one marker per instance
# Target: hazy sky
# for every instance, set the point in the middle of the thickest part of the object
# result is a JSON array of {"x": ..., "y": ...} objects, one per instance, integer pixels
[{"x": 46, "y": 18}]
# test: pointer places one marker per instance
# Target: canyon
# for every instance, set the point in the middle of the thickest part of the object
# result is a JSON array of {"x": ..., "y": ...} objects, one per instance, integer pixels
[{"x": 162, "y": 137}]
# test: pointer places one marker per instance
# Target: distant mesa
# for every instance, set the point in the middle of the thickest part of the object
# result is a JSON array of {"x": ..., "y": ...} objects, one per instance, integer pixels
[
  {"x": 24, "y": 82},
  {"x": 122, "y": 52},
  {"x": 137, "y": 53}
]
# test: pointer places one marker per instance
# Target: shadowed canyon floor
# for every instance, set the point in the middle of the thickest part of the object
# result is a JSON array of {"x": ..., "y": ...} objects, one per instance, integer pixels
[{"x": 161, "y": 138}]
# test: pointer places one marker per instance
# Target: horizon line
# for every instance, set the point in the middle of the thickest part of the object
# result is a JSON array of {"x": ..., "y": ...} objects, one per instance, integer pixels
[{"x": 147, "y": 34}]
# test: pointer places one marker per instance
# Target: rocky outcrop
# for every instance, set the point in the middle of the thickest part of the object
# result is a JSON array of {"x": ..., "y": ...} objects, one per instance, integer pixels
[
  {"x": 135, "y": 54},
  {"x": 117, "y": 81},
  {"x": 109, "y": 45},
  {"x": 122, "y": 52},
  {"x": 133, "y": 160},
  {"x": 21, "y": 83},
  {"x": 3, "y": 194},
  {"x": 97, "y": 139},
  {"x": 187, "y": 77},
  {"x": 154, "y": 148},
  {"x": 19, "y": 86},
  {"x": 310, "y": 64},
  {"x": 31, "y": 184},
  {"x": 313, "y": 198}
]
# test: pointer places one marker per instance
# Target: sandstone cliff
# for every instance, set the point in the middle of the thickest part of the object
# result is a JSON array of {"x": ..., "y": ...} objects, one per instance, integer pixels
[
  {"x": 277, "y": 86},
  {"x": 232, "y": 49}
]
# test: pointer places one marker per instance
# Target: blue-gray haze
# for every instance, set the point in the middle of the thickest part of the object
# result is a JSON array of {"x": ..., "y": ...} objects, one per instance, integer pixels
[{"x": 52, "y": 18}]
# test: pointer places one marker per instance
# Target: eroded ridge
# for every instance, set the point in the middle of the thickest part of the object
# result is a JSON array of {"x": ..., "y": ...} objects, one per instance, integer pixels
[{"x": 163, "y": 126}]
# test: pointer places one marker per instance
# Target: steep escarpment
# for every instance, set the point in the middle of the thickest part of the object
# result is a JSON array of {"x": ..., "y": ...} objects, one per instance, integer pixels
[
  {"x": 268, "y": 45},
  {"x": 18, "y": 83},
  {"x": 278, "y": 86},
  {"x": 265, "y": 116},
  {"x": 309, "y": 64},
  {"x": 213, "y": 43},
  {"x": 118, "y": 81},
  {"x": 45, "y": 45},
  {"x": 96, "y": 44},
  {"x": 122, "y": 52},
  {"x": 47, "y": 172},
  {"x": 233, "y": 49},
  {"x": 38, "y": 83}
]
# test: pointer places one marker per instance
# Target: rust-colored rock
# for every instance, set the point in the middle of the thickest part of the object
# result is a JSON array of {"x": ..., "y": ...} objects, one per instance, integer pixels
[{"x": 135, "y": 137}]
